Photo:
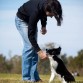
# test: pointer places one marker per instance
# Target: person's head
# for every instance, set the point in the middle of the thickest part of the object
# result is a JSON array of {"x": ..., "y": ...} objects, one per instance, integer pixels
[{"x": 53, "y": 8}]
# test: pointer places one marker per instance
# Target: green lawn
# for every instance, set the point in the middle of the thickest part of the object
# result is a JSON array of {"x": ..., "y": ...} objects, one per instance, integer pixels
[{"x": 16, "y": 78}]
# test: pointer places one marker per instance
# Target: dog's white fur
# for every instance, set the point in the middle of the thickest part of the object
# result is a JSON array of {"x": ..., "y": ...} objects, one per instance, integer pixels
[{"x": 53, "y": 65}]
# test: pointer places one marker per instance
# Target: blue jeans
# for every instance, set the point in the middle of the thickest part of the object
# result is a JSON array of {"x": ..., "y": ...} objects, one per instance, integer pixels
[{"x": 29, "y": 56}]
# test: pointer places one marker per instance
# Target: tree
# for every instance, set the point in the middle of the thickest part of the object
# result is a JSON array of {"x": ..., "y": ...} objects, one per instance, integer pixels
[
  {"x": 76, "y": 63},
  {"x": 4, "y": 66},
  {"x": 44, "y": 66},
  {"x": 16, "y": 62},
  {"x": 64, "y": 58}
]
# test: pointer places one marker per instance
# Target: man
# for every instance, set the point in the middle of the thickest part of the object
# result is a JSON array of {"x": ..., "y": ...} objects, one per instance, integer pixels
[{"x": 26, "y": 21}]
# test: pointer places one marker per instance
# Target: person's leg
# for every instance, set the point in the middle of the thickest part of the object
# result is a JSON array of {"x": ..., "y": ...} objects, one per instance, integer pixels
[
  {"x": 27, "y": 51},
  {"x": 29, "y": 56},
  {"x": 34, "y": 72}
]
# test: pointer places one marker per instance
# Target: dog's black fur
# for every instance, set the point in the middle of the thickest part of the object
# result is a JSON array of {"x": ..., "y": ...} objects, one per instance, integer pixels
[{"x": 61, "y": 68}]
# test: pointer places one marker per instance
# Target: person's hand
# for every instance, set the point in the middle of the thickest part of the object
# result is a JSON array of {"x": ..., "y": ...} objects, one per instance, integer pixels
[
  {"x": 43, "y": 30},
  {"x": 42, "y": 54}
]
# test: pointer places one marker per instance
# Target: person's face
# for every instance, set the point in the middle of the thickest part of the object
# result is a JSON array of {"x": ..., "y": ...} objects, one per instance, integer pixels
[{"x": 49, "y": 14}]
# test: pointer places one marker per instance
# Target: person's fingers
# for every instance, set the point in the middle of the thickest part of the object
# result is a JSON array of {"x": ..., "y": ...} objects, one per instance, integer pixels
[
  {"x": 43, "y": 32},
  {"x": 42, "y": 54}
]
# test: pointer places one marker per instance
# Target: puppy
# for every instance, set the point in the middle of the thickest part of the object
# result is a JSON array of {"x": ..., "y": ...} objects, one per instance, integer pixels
[{"x": 58, "y": 67}]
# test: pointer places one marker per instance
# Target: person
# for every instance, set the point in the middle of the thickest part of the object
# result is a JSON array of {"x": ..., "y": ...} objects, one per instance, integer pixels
[{"x": 26, "y": 21}]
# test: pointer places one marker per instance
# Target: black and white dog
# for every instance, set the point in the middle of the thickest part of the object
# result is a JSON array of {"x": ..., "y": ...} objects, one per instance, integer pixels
[{"x": 58, "y": 67}]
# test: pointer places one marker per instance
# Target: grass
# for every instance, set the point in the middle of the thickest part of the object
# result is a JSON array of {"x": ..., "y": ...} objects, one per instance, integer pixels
[{"x": 16, "y": 78}]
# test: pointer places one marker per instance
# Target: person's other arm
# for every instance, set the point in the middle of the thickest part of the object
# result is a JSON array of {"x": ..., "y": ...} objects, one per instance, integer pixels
[
  {"x": 31, "y": 35},
  {"x": 32, "y": 26},
  {"x": 43, "y": 23}
]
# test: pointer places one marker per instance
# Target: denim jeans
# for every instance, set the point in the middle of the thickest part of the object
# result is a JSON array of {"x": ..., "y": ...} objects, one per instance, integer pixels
[{"x": 29, "y": 56}]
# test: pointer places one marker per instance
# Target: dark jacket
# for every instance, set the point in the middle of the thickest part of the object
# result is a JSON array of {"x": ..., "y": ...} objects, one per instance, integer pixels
[{"x": 31, "y": 12}]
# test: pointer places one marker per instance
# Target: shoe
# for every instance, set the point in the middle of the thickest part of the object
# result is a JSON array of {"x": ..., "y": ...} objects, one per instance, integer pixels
[{"x": 39, "y": 80}]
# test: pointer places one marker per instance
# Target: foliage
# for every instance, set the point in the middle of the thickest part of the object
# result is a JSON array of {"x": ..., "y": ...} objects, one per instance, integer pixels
[
  {"x": 44, "y": 66},
  {"x": 76, "y": 63},
  {"x": 16, "y": 62},
  {"x": 13, "y": 65},
  {"x": 5, "y": 66}
]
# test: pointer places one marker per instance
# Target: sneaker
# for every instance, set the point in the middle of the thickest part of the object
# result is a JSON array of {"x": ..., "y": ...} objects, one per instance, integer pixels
[{"x": 39, "y": 80}]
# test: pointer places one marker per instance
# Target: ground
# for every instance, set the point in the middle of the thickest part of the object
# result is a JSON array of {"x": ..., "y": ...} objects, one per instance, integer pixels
[{"x": 16, "y": 78}]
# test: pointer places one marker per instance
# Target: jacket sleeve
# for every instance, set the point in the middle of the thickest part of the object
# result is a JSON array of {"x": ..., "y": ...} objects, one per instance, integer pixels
[
  {"x": 32, "y": 31},
  {"x": 43, "y": 20}
]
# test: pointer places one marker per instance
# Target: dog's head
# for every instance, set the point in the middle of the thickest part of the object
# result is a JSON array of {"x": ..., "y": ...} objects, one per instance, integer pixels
[{"x": 54, "y": 51}]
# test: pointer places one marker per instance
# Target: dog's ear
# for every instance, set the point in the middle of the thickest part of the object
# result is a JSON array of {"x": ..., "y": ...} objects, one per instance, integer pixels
[{"x": 59, "y": 48}]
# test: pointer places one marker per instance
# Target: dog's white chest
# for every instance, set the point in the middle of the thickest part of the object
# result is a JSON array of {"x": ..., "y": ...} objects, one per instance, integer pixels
[{"x": 53, "y": 63}]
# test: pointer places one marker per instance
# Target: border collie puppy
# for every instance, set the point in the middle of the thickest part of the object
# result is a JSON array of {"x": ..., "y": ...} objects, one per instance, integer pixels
[{"x": 58, "y": 67}]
